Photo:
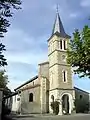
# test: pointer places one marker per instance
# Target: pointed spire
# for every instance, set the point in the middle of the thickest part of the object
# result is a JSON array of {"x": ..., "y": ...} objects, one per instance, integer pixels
[{"x": 58, "y": 26}]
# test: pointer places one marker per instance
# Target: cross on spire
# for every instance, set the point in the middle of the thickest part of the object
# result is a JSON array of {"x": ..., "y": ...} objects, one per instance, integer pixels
[{"x": 57, "y": 8}]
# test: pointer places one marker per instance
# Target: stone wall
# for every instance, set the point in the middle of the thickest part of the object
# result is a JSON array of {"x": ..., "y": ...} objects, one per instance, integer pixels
[
  {"x": 79, "y": 92},
  {"x": 44, "y": 95},
  {"x": 16, "y": 100},
  {"x": 58, "y": 94},
  {"x": 44, "y": 82},
  {"x": 83, "y": 96},
  {"x": 44, "y": 70},
  {"x": 26, "y": 105}
]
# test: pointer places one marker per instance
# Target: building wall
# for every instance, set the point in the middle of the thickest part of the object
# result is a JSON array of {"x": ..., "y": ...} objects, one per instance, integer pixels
[
  {"x": 8, "y": 102},
  {"x": 44, "y": 95},
  {"x": 44, "y": 70},
  {"x": 68, "y": 84},
  {"x": 44, "y": 82},
  {"x": 25, "y": 105},
  {"x": 16, "y": 103},
  {"x": 58, "y": 94},
  {"x": 79, "y": 92},
  {"x": 30, "y": 84},
  {"x": 57, "y": 65},
  {"x": 31, "y": 107},
  {"x": 60, "y": 83},
  {"x": 39, "y": 87},
  {"x": 54, "y": 93},
  {"x": 53, "y": 77},
  {"x": 84, "y": 94}
]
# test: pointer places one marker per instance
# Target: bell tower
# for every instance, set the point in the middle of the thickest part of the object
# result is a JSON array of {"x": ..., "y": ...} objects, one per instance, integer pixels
[{"x": 60, "y": 75}]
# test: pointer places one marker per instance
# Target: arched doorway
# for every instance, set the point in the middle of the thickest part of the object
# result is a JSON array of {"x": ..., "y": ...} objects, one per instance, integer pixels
[{"x": 65, "y": 104}]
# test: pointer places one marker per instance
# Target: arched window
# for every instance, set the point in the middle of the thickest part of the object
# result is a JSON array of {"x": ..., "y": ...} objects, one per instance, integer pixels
[
  {"x": 64, "y": 76},
  {"x": 64, "y": 45},
  {"x": 60, "y": 44},
  {"x": 81, "y": 96},
  {"x": 64, "y": 73},
  {"x": 31, "y": 97},
  {"x": 52, "y": 97}
]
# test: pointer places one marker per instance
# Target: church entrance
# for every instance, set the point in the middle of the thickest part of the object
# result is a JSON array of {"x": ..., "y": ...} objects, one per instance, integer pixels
[{"x": 65, "y": 104}]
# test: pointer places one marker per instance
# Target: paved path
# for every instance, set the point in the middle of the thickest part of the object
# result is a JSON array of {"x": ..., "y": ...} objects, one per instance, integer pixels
[{"x": 49, "y": 117}]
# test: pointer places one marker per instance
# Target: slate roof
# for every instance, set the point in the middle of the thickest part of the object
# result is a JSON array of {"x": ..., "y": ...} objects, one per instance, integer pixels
[{"x": 58, "y": 27}]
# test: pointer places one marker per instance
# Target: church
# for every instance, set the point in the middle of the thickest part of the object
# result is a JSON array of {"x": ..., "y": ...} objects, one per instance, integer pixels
[{"x": 53, "y": 81}]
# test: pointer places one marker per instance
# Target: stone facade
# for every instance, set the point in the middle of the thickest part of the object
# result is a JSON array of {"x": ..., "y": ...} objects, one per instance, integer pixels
[
  {"x": 82, "y": 95},
  {"x": 54, "y": 79},
  {"x": 27, "y": 106},
  {"x": 59, "y": 87}
]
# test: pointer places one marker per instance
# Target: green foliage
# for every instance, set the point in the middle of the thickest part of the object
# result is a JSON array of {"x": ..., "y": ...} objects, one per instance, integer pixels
[
  {"x": 3, "y": 79},
  {"x": 81, "y": 106},
  {"x": 2, "y": 59},
  {"x": 52, "y": 106},
  {"x": 5, "y": 12},
  {"x": 79, "y": 52},
  {"x": 6, "y": 8},
  {"x": 55, "y": 107},
  {"x": 3, "y": 83}
]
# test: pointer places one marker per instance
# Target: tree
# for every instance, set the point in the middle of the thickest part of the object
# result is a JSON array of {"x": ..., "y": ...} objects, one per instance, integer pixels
[
  {"x": 4, "y": 82},
  {"x": 6, "y": 8},
  {"x": 3, "y": 79},
  {"x": 78, "y": 53},
  {"x": 6, "y": 12}
]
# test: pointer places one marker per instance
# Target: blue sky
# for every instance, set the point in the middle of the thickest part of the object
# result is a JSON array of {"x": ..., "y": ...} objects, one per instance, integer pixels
[{"x": 26, "y": 40}]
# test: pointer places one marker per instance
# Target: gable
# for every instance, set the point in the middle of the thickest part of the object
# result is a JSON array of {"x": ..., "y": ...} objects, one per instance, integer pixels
[{"x": 27, "y": 83}]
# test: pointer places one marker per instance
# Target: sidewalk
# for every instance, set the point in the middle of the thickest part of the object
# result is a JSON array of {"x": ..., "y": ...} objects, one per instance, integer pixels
[
  {"x": 31, "y": 115},
  {"x": 45, "y": 115}
]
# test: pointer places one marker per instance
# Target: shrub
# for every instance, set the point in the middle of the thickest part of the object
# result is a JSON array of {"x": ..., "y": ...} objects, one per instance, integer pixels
[{"x": 55, "y": 107}]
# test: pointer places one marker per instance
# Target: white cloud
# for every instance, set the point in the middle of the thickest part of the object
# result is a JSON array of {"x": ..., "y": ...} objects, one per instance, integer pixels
[
  {"x": 74, "y": 15},
  {"x": 29, "y": 58},
  {"x": 22, "y": 46},
  {"x": 24, "y": 49},
  {"x": 18, "y": 39},
  {"x": 85, "y": 3},
  {"x": 14, "y": 84}
]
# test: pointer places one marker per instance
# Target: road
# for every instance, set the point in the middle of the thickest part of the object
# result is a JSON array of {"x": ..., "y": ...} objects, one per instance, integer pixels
[{"x": 47, "y": 117}]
